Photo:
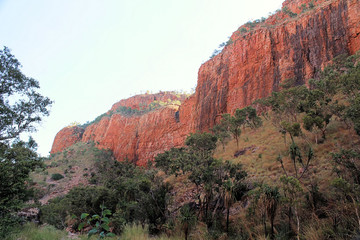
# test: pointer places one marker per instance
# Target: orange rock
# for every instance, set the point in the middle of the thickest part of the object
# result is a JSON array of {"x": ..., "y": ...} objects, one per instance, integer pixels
[
  {"x": 248, "y": 69},
  {"x": 143, "y": 100},
  {"x": 66, "y": 137},
  {"x": 258, "y": 61}
]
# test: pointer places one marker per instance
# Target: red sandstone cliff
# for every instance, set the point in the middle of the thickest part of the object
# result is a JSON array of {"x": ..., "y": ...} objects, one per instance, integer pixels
[
  {"x": 67, "y": 137},
  {"x": 249, "y": 68}
]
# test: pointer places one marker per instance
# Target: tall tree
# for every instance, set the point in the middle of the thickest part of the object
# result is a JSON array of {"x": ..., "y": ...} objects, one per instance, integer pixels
[{"x": 21, "y": 107}]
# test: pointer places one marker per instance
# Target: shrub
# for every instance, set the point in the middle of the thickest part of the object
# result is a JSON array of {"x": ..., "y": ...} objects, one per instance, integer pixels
[
  {"x": 287, "y": 11},
  {"x": 54, "y": 164},
  {"x": 56, "y": 176}
]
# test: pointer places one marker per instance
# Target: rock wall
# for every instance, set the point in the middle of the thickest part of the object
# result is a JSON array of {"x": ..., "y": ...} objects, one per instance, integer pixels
[
  {"x": 67, "y": 137},
  {"x": 249, "y": 68},
  {"x": 257, "y": 61}
]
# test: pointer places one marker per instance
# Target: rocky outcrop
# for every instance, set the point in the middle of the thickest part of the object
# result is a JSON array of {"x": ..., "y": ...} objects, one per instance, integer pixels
[
  {"x": 254, "y": 64},
  {"x": 143, "y": 100},
  {"x": 138, "y": 138},
  {"x": 67, "y": 137},
  {"x": 251, "y": 66}
]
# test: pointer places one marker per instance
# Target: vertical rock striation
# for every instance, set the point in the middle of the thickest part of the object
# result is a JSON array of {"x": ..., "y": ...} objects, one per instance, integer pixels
[{"x": 250, "y": 67}]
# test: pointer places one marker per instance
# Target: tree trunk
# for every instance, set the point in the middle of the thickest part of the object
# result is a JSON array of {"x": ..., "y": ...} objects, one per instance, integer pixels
[
  {"x": 324, "y": 133},
  {"x": 264, "y": 222},
  {"x": 356, "y": 211},
  {"x": 272, "y": 228},
  {"x": 289, "y": 218},
  {"x": 227, "y": 219},
  {"x": 298, "y": 224}
]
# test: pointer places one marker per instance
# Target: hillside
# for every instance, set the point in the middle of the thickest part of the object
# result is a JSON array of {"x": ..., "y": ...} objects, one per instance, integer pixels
[
  {"x": 295, "y": 43},
  {"x": 266, "y": 148}
]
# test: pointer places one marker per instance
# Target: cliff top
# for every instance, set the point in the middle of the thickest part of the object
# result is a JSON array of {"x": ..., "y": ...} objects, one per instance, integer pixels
[{"x": 142, "y": 101}]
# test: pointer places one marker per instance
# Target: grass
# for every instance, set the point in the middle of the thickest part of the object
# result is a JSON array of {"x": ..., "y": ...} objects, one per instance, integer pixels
[
  {"x": 261, "y": 164},
  {"x": 75, "y": 163},
  {"x": 32, "y": 232},
  {"x": 131, "y": 232}
]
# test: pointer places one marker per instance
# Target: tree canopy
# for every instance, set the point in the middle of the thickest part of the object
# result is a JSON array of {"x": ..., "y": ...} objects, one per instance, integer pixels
[{"x": 21, "y": 105}]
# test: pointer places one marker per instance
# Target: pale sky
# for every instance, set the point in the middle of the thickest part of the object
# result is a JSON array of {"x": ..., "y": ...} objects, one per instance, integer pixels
[{"x": 89, "y": 54}]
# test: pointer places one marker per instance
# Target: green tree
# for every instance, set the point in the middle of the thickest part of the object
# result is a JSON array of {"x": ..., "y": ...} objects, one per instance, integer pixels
[
  {"x": 292, "y": 192},
  {"x": 220, "y": 182},
  {"x": 347, "y": 166},
  {"x": 21, "y": 107},
  {"x": 16, "y": 162},
  {"x": 266, "y": 199},
  {"x": 221, "y": 132},
  {"x": 99, "y": 222},
  {"x": 353, "y": 113},
  {"x": 233, "y": 125},
  {"x": 231, "y": 180},
  {"x": 187, "y": 218},
  {"x": 29, "y": 107}
]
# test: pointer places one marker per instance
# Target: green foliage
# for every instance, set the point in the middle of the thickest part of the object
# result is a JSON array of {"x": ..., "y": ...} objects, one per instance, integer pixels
[
  {"x": 243, "y": 30},
  {"x": 29, "y": 107},
  {"x": 174, "y": 161},
  {"x": 311, "y": 5},
  {"x": 55, "y": 212},
  {"x": 56, "y": 176},
  {"x": 16, "y": 163},
  {"x": 100, "y": 223},
  {"x": 203, "y": 143},
  {"x": 31, "y": 231},
  {"x": 200, "y": 147},
  {"x": 21, "y": 108},
  {"x": 187, "y": 218},
  {"x": 219, "y": 180},
  {"x": 245, "y": 117},
  {"x": 347, "y": 165},
  {"x": 287, "y": 11},
  {"x": 128, "y": 111},
  {"x": 319, "y": 103},
  {"x": 265, "y": 202},
  {"x": 221, "y": 132},
  {"x": 76, "y": 202},
  {"x": 352, "y": 113},
  {"x": 233, "y": 125},
  {"x": 221, "y": 47},
  {"x": 142, "y": 197}
]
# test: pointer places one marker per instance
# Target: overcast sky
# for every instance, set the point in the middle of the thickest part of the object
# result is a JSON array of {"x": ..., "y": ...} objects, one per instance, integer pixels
[{"x": 89, "y": 54}]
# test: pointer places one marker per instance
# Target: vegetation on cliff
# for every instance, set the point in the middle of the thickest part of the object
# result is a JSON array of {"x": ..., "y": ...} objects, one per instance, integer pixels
[
  {"x": 143, "y": 108},
  {"x": 292, "y": 173}
]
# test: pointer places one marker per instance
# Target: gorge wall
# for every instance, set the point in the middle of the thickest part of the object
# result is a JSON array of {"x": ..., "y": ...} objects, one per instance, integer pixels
[{"x": 252, "y": 65}]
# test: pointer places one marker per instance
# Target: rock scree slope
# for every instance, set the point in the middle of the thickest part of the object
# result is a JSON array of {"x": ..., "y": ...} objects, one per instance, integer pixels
[{"x": 294, "y": 43}]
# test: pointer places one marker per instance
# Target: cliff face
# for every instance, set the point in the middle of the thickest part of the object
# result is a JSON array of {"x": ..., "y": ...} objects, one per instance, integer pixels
[
  {"x": 138, "y": 138},
  {"x": 256, "y": 62},
  {"x": 67, "y": 137},
  {"x": 249, "y": 68}
]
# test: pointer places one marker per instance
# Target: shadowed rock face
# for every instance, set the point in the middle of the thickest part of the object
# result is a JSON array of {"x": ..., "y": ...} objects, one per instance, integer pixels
[{"x": 249, "y": 68}]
